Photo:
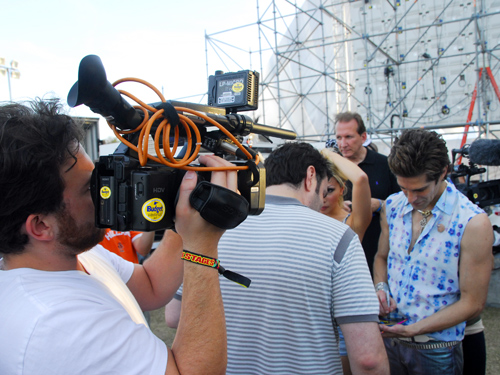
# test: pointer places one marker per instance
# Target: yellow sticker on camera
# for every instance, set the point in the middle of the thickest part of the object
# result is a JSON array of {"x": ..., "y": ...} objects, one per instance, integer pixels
[
  {"x": 105, "y": 192},
  {"x": 238, "y": 87},
  {"x": 153, "y": 210}
]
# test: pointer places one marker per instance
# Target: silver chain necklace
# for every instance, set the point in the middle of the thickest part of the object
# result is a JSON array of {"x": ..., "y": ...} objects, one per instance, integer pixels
[{"x": 425, "y": 216}]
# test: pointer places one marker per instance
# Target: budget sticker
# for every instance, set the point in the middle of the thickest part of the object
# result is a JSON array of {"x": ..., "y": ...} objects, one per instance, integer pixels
[
  {"x": 153, "y": 210},
  {"x": 238, "y": 87},
  {"x": 105, "y": 192}
]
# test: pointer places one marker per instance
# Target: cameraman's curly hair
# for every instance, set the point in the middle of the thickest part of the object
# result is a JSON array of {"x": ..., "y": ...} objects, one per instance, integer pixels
[
  {"x": 288, "y": 164},
  {"x": 417, "y": 152},
  {"x": 36, "y": 140}
]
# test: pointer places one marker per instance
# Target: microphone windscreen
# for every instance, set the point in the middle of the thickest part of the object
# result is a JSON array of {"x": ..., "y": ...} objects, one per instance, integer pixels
[{"x": 485, "y": 152}]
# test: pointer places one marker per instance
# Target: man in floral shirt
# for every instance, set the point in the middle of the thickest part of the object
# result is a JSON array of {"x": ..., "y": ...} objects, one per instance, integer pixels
[{"x": 433, "y": 260}]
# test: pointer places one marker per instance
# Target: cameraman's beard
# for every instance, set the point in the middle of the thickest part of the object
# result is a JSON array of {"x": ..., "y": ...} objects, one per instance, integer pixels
[{"x": 77, "y": 239}]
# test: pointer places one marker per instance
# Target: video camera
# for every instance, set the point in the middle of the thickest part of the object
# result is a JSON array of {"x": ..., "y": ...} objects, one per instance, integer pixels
[
  {"x": 133, "y": 190},
  {"x": 483, "y": 152}
]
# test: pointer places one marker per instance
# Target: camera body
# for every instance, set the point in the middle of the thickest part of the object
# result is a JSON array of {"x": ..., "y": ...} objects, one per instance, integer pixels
[
  {"x": 132, "y": 195},
  {"x": 483, "y": 194},
  {"x": 128, "y": 196}
]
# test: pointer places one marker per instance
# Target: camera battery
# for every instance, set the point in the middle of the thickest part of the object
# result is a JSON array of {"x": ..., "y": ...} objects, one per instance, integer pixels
[{"x": 107, "y": 206}]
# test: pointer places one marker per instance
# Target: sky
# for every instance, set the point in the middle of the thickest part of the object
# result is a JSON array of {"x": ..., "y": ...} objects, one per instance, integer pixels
[{"x": 162, "y": 42}]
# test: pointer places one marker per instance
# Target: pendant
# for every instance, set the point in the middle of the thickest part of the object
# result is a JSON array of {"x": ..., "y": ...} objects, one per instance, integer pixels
[
  {"x": 423, "y": 222},
  {"x": 425, "y": 215}
]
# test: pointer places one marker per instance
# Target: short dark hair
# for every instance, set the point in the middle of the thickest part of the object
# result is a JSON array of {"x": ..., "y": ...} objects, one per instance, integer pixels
[
  {"x": 417, "y": 152},
  {"x": 348, "y": 116},
  {"x": 288, "y": 164},
  {"x": 35, "y": 142}
]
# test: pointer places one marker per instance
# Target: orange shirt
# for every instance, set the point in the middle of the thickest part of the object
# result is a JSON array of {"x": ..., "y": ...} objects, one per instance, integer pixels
[{"x": 120, "y": 243}]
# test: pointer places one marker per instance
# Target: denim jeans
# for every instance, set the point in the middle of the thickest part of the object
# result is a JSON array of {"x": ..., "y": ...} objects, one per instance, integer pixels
[
  {"x": 413, "y": 361},
  {"x": 342, "y": 347}
]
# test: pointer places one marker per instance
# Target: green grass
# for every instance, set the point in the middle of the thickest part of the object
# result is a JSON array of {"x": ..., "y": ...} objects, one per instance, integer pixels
[{"x": 491, "y": 320}]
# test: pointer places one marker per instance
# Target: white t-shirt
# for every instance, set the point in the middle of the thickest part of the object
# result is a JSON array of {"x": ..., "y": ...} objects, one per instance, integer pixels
[
  {"x": 113, "y": 272},
  {"x": 67, "y": 322}
]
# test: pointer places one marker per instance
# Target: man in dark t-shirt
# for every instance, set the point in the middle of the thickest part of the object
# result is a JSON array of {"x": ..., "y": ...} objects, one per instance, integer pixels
[{"x": 350, "y": 133}]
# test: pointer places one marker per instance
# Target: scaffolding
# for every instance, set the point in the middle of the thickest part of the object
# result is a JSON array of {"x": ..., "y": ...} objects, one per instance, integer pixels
[{"x": 399, "y": 63}]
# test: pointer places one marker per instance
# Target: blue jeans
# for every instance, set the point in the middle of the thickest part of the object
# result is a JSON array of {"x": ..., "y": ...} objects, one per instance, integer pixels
[
  {"x": 342, "y": 347},
  {"x": 412, "y": 361}
]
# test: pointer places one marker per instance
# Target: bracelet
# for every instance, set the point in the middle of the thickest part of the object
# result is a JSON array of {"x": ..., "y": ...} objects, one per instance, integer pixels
[
  {"x": 215, "y": 263},
  {"x": 382, "y": 286},
  {"x": 200, "y": 259},
  {"x": 380, "y": 205}
]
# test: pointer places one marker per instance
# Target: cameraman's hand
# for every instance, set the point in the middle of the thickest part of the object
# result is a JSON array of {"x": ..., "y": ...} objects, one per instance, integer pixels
[{"x": 197, "y": 234}]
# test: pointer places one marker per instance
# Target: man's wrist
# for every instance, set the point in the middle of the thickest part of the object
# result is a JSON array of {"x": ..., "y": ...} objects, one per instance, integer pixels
[
  {"x": 207, "y": 261},
  {"x": 203, "y": 245},
  {"x": 200, "y": 259},
  {"x": 385, "y": 288},
  {"x": 380, "y": 203}
]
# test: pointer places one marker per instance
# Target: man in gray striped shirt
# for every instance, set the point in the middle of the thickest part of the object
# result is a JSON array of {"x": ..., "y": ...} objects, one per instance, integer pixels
[{"x": 308, "y": 273}]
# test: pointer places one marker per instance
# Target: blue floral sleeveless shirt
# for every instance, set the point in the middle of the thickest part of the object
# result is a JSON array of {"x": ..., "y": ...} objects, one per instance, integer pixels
[{"x": 425, "y": 280}]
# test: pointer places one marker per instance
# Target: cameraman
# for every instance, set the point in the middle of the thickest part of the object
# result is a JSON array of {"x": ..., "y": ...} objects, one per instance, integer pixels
[{"x": 68, "y": 306}]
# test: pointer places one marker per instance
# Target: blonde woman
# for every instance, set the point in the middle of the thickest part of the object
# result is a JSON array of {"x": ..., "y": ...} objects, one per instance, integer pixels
[
  {"x": 358, "y": 217},
  {"x": 360, "y": 214}
]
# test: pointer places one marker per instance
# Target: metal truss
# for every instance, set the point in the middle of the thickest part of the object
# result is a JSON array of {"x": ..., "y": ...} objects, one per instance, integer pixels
[{"x": 399, "y": 63}]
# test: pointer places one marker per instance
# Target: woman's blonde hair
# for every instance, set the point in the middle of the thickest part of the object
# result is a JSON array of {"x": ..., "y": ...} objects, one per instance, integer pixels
[{"x": 341, "y": 179}]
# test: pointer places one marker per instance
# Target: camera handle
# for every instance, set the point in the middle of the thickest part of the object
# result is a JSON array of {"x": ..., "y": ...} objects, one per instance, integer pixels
[{"x": 219, "y": 206}]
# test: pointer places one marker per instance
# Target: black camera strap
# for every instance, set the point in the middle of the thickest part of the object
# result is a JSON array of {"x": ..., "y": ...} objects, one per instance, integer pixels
[{"x": 169, "y": 112}]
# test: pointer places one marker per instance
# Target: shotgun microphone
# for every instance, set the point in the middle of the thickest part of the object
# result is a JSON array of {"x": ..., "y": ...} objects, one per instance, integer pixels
[{"x": 485, "y": 152}]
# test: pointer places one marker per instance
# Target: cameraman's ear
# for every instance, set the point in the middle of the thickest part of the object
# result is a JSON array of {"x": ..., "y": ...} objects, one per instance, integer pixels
[{"x": 40, "y": 227}]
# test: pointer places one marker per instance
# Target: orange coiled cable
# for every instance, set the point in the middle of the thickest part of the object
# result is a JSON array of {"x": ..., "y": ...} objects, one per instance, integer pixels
[{"x": 190, "y": 127}]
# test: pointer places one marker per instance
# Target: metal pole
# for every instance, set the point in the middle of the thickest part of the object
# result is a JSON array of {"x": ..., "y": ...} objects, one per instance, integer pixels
[{"x": 8, "y": 82}]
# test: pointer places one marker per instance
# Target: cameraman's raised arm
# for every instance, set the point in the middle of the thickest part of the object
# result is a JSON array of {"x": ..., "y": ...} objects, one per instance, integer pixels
[{"x": 200, "y": 342}]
